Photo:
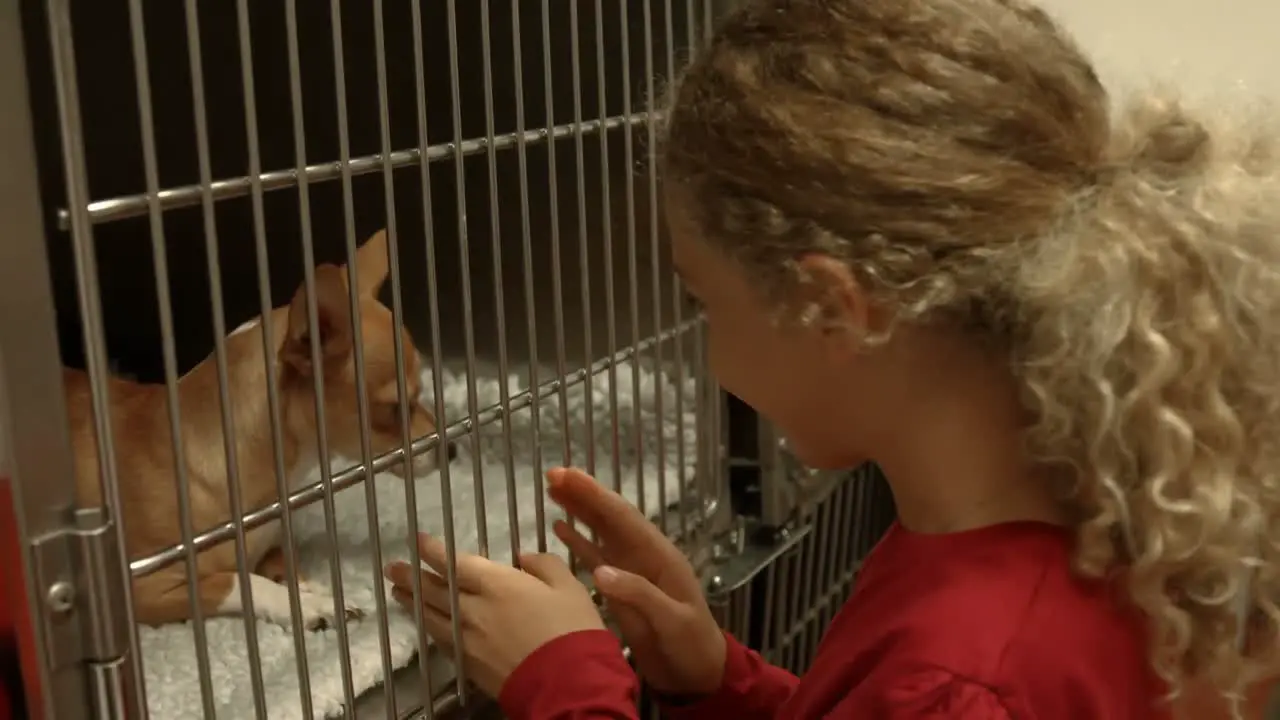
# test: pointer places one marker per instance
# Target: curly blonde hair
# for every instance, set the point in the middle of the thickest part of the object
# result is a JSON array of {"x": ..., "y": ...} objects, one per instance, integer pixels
[{"x": 962, "y": 158}]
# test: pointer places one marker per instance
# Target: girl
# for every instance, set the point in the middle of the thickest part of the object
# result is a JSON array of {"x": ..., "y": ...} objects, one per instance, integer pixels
[{"x": 920, "y": 238}]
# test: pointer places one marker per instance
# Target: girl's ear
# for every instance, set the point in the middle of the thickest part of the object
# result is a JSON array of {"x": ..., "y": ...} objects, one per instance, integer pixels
[{"x": 836, "y": 301}]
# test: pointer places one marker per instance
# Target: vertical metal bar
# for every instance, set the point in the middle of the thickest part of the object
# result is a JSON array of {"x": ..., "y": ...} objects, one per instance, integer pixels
[
  {"x": 678, "y": 342},
  {"x": 142, "y": 78},
  {"x": 826, "y": 570},
  {"x": 606, "y": 227},
  {"x": 866, "y": 509},
  {"x": 393, "y": 260},
  {"x": 768, "y": 642},
  {"x": 89, "y": 302},
  {"x": 437, "y": 390},
  {"x": 831, "y": 587},
  {"x": 712, "y": 444},
  {"x": 843, "y": 561},
  {"x": 783, "y": 630},
  {"x": 815, "y": 589},
  {"x": 845, "y": 557},
  {"x": 633, "y": 276},
  {"x": 877, "y": 524},
  {"x": 499, "y": 295},
  {"x": 464, "y": 245},
  {"x": 530, "y": 298},
  {"x": 704, "y": 431},
  {"x": 362, "y": 399},
  {"x": 267, "y": 333},
  {"x": 655, "y": 264},
  {"x": 811, "y": 574},
  {"x": 796, "y": 609},
  {"x": 313, "y": 328},
  {"x": 691, "y": 24},
  {"x": 718, "y": 439},
  {"x": 557, "y": 279},
  {"x": 584, "y": 250},
  {"x": 702, "y": 463},
  {"x": 227, "y": 411}
]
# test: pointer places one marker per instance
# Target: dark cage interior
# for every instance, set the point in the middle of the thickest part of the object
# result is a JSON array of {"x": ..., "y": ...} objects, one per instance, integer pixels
[{"x": 591, "y": 209}]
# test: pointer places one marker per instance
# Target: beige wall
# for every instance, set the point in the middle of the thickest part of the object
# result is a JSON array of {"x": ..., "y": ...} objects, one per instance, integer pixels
[{"x": 1207, "y": 45}]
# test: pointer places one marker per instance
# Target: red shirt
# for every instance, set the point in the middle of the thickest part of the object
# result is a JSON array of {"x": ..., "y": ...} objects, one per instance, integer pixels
[{"x": 986, "y": 624}]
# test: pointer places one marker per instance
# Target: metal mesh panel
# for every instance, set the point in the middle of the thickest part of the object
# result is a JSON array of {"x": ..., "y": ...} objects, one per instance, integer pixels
[
  {"x": 196, "y": 165},
  {"x": 199, "y": 164}
]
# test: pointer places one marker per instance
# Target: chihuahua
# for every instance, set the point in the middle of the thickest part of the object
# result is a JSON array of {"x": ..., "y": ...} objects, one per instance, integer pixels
[{"x": 145, "y": 459}]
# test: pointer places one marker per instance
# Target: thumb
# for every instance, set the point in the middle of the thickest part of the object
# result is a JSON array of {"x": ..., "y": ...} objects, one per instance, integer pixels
[{"x": 639, "y": 595}]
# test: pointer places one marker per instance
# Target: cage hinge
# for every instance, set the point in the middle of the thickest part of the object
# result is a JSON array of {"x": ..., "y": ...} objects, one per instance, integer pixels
[
  {"x": 756, "y": 548},
  {"x": 81, "y": 577}
]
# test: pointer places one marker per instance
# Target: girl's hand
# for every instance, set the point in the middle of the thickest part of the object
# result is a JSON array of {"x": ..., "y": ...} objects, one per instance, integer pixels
[
  {"x": 651, "y": 589},
  {"x": 505, "y": 613}
]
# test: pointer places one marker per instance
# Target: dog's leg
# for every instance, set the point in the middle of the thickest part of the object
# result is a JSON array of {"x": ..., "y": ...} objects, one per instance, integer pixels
[
  {"x": 164, "y": 598},
  {"x": 271, "y": 601},
  {"x": 273, "y": 566}
]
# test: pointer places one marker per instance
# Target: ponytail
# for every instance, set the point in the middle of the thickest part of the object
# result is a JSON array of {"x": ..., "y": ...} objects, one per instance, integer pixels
[{"x": 1148, "y": 343}]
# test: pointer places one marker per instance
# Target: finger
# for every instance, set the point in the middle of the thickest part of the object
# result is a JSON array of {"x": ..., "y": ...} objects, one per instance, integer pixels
[
  {"x": 636, "y": 593},
  {"x": 435, "y": 554},
  {"x": 435, "y": 590},
  {"x": 548, "y": 568},
  {"x": 580, "y": 494},
  {"x": 587, "y": 552},
  {"x": 604, "y": 511},
  {"x": 438, "y": 626}
]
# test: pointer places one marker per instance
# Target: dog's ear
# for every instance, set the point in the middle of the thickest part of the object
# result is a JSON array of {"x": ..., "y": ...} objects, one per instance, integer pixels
[
  {"x": 333, "y": 314},
  {"x": 372, "y": 263}
]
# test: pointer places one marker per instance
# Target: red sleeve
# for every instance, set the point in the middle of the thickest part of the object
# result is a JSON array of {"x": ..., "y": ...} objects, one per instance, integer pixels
[
  {"x": 579, "y": 676},
  {"x": 752, "y": 688},
  {"x": 928, "y": 695}
]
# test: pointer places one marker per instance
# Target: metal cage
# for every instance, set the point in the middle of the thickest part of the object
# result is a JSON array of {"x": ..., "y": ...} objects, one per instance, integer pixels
[{"x": 175, "y": 173}]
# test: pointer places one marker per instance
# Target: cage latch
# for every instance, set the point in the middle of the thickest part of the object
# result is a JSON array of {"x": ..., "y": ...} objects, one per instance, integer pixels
[{"x": 82, "y": 576}]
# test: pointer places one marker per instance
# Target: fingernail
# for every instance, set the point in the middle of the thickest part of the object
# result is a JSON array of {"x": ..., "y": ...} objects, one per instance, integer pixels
[{"x": 606, "y": 574}]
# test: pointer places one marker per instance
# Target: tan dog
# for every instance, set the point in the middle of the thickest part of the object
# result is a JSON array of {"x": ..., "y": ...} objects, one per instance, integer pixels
[{"x": 144, "y": 455}]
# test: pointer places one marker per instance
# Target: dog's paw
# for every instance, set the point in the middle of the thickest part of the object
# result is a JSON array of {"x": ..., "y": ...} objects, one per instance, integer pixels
[{"x": 318, "y": 611}]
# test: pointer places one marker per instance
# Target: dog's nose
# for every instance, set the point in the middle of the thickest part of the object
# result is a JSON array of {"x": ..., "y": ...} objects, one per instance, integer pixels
[{"x": 451, "y": 451}]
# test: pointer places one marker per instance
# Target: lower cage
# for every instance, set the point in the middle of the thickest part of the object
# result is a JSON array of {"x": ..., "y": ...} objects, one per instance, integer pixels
[{"x": 486, "y": 497}]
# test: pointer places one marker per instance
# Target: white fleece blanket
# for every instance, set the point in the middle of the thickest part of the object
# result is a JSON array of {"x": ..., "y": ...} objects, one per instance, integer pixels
[{"x": 173, "y": 689}]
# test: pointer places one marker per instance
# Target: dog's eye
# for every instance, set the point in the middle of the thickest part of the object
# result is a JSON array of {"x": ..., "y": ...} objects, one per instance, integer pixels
[{"x": 387, "y": 414}]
